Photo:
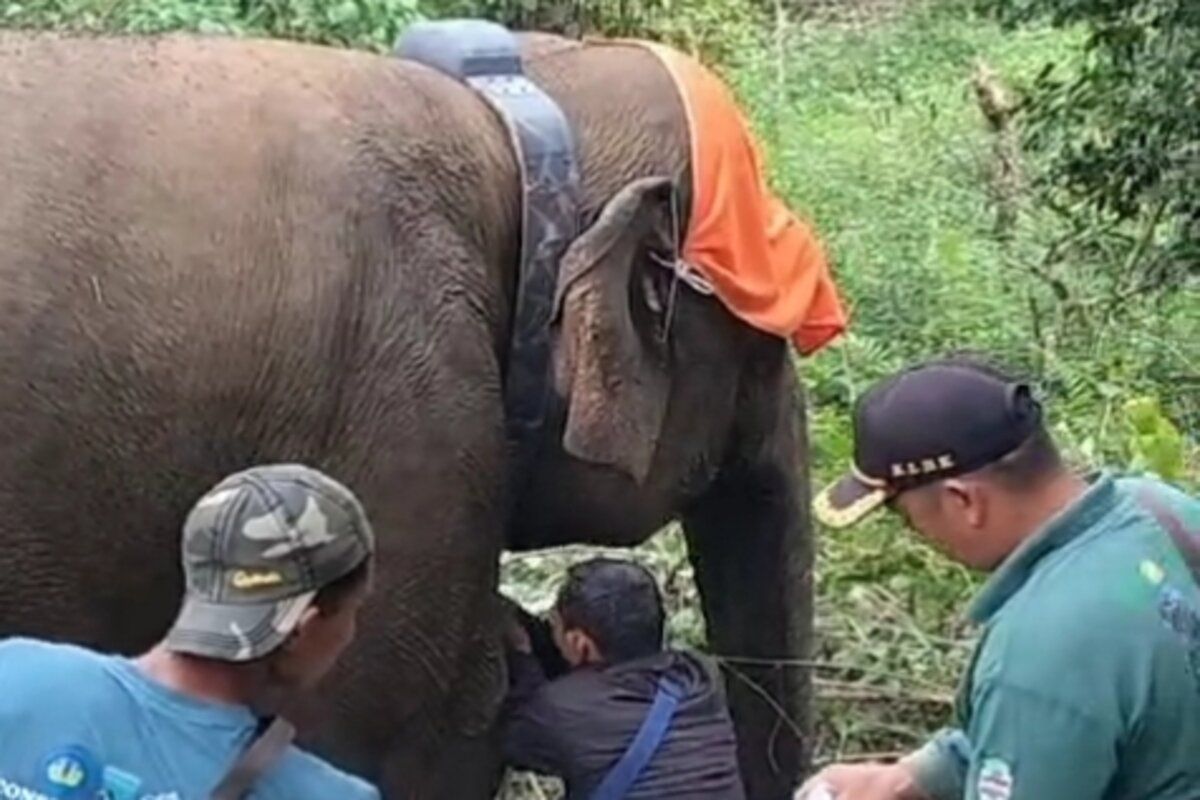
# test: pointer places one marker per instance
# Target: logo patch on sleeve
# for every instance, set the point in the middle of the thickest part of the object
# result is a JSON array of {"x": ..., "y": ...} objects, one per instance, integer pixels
[
  {"x": 70, "y": 772},
  {"x": 995, "y": 780}
]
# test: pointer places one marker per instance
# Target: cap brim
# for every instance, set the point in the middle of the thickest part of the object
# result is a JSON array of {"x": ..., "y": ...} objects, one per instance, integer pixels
[
  {"x": 848, "y": 502},
  {"x": 235, "y": 632}
]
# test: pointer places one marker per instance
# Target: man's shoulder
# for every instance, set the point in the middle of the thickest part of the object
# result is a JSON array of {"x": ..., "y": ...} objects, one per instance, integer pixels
[
  {"x": 1096, "y": 600},
  {"x": 16, "y": 647},
  {"x": 1137, "y": 485},
  {"x": 576, "y": 687},
  {"x": 38, "y": 660},
  {"x": 581, "y": 689},
  {"x": 696, "y": 673},
  {"x": 302, "y": 775},
  {"x": 1102, "y": 595},
  {"x": 1109, "y": 573}
]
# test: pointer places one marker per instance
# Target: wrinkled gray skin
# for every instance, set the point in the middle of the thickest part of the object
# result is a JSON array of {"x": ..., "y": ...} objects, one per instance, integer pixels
[{"x": 216, "y": 253}]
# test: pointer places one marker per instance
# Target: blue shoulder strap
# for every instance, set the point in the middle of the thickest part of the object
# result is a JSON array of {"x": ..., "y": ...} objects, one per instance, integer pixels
[{"x": 645, "y": 744}]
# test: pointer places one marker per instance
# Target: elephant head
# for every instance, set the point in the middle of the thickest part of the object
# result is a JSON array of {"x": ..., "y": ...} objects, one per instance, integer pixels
[{"x": 668, "y": 406}]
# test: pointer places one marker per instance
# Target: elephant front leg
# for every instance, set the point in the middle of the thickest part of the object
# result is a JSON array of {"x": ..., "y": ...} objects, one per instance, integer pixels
[
  {"x": 751, "y": 544},
  {"x": 455, "y": 751},
  {"x": 459, "y": 767}
]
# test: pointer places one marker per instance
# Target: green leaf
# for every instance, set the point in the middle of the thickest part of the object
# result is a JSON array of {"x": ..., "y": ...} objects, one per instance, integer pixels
[
  {"x": 342, "y": 13},
  {"x": 1155, "y": 443}
]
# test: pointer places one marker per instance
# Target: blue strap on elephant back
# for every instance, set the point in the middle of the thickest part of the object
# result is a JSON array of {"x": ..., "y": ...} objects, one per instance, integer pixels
[
  {"x": 486, "y": 57},
  {"x": 645, "y": 744}
]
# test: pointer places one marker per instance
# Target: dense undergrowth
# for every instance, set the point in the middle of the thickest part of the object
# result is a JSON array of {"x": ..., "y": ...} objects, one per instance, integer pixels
[{"x": 874, "y": 130}]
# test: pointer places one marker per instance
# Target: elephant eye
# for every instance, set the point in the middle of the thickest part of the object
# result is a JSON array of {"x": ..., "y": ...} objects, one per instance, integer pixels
[
  {"x": 652, "y": 294},
  {"x": 656, "y": 293},
  {"x": 656, "y": 287}
]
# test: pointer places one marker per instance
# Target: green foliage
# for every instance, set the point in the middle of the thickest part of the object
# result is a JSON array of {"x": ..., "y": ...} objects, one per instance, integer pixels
[
  {"x": 716, "y": 28},
  {"x": 366, "y": 23},
  {"x": 1122, "y": 124},
  {"x": 370, "y": 24},
  {"x": 875, "y": 134},
  {"x": 533, "y": 579},
  {"x": 1155, "y": 444}
]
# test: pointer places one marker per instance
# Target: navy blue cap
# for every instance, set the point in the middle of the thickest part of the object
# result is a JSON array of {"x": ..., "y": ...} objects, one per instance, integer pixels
[{"x": 928, "y": 423}]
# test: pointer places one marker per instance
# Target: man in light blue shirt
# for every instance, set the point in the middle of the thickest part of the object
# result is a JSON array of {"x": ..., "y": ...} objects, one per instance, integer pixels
[{"x": 277, "y": 562}]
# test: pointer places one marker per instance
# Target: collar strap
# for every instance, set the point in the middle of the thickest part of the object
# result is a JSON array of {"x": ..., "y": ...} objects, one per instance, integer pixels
[{"x": 487, "y": 58}]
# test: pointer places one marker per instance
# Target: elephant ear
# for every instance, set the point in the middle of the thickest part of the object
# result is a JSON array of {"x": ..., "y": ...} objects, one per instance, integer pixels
[{"x": 611, "y": 360}]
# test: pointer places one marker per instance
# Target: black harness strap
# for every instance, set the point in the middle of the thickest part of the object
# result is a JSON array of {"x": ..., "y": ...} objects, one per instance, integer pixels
[
  {"x": 265, "y": 750},
  {"x": 486, "y": 57},
  {"x": 1186, "y": 541}
]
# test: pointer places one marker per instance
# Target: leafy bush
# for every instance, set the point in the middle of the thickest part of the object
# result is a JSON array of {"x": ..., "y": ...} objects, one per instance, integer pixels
[
  {"x": 1122, "y": 125},
  {"x": 1155, "y": 443},
  {"x": 370, "y": 24},
  {"x": 716, "y": 28}
]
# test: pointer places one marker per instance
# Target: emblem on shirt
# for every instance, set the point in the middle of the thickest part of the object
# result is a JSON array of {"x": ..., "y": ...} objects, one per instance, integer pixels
[
  {"x": 995, "y": 780},
  {"x": 70, "y": 772},
  {"x": 1183, "y": 619}
]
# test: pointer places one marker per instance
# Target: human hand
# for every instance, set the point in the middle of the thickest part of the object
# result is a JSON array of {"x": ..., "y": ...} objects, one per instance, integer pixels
[
  {"x": 516, "y": 637},
  {"x": 862, "y": 782},
  {"x": 816, "y": 791}
]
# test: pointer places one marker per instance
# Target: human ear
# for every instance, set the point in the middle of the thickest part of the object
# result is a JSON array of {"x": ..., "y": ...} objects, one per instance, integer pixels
[
  {"x": 588, "y": 651},
  {"x": 303, "y": 632},
  {"x": 578, "y": 648},
  {"x": 967, "y": 502}
]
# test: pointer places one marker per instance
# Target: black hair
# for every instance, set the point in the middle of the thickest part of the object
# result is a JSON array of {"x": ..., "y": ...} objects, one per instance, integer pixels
[
  {"x": 331, "y": 596},
  {"x": 616, "y": 603},
  {"x": 1034, "y": 460}
]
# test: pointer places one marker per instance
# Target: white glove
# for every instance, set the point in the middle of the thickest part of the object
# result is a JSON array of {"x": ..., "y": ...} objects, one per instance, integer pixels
[{"x": 819, "y": 791}]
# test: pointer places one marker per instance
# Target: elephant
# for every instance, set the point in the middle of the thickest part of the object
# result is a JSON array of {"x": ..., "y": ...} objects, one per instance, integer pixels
[{"x": 218, "y": 252}]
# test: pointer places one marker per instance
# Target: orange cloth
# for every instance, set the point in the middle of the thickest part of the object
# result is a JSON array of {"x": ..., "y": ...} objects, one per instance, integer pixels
[{"x": 764, "y": 263}]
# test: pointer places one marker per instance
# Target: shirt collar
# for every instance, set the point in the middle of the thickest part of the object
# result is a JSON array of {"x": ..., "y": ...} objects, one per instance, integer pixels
[{"x": 1062, "y": 529}]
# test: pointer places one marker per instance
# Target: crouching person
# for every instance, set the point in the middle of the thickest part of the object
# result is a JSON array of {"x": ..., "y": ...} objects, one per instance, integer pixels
[
  {"x": 628, "y": 719},
  {"x": 277, "y": 563}
]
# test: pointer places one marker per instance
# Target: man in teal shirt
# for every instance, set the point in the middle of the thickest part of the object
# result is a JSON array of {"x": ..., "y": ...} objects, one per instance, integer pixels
[{"x": 1086, "y": 682}]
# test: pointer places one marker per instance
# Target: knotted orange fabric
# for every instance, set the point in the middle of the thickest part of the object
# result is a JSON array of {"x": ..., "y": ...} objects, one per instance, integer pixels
[{"x": 765, "y": 264}]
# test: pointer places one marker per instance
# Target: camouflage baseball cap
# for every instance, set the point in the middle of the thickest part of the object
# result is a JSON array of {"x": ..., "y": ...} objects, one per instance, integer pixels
[{"x": 256, "y": 550}]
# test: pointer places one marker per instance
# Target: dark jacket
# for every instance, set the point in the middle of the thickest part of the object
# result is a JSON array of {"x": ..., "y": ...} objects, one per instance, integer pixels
[{"x": 578, "y": 726}]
